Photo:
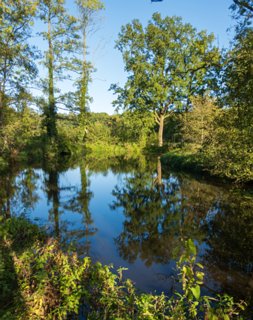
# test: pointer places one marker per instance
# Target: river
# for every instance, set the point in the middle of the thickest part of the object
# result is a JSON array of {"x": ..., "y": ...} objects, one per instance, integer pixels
[{"x": 135, "y": 213}]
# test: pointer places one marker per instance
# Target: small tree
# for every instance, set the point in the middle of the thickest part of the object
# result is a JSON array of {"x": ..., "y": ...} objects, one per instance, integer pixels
[
  {"x": 168, "y": 62},
  {"x": 197, "y": 124}
]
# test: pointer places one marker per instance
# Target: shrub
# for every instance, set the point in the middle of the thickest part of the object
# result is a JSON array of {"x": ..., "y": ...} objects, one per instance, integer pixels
[{"x": 57, "y": 285}]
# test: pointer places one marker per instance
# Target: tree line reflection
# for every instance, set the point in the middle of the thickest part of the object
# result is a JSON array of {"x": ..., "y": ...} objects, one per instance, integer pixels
[{"x": 160, "y": 209}]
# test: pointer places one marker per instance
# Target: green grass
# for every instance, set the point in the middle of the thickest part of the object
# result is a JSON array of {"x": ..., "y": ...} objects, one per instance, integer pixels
[
  {"x": 113, "y": 150},
  {"x": 185, "y": 160}
]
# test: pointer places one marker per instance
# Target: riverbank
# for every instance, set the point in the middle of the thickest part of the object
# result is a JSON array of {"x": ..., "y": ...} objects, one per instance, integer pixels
[
  {"x": 178, "y": 159},
  {"x": 198, "y": 164},
  {"x": 189, "y": 160}
]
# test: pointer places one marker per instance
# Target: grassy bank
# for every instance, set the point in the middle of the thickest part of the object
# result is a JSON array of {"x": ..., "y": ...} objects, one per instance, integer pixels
[
  {"x": 106, "y": 150},
  {"x": 188, "y": 161},
  {"x": 196, "y": 163}
]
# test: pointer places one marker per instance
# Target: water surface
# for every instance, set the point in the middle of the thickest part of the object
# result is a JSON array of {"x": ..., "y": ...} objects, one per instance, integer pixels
[{"x": 135, "y": 214}]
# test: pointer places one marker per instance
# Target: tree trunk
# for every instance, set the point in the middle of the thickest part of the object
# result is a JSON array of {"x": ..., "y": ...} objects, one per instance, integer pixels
[
  {"x": 84, "y": 83},
  {"x": 160, "y": 132},
  {"x": 1, "y": 110},
  {"x": 3, "y": 96},
  {"x": 159, "y": 171},
  {"x": 51, "y": 113}
]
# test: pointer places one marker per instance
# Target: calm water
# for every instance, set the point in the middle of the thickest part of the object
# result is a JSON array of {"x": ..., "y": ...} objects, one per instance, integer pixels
[{"x": 134, "y": 214}]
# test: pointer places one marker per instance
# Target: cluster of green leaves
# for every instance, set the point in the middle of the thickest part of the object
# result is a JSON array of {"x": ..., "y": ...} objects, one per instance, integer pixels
[
  {"x": 57, "y": 285},
  {"x": 197, "y": 124},
  {"x": 218, "y": 141},
  {"x": 173, "y": 71},
  {"x": 20, "y": 132},
  {"x": 120, "y": 129},
  {"x": 16, "y": 235},
  {"x": 191, "y": 303},
  {"x": 229, "y": 147}
]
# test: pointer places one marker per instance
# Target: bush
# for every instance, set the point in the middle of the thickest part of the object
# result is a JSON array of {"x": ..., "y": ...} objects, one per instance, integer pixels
[{"x": 57, "y": 285}]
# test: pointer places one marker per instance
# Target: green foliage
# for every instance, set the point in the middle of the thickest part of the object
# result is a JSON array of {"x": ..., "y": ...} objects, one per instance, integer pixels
[
  {"x": 71, "y": 135},
  {"x": 60, "y": 58},
  {"x": 19, "y": 233},
  {"x": 100, "y": 128},
  {"x": 135, "y": 127},
  {"x": 19, "y": 132},
  {"x": 51, "y": 284},
  {"x": 128, "y": 128},
  {"x": 221, "y": 139},
  {"x": 186, "y": 160},
  {"x": 16, "y": 235},
  {"x": 229, "y": 149},
  {"x": 197, "y": 123},
  {"x": 243, "y": 13},
  {"x": 17, "y": 66},
  {"x": 55, "y": 285},
  {"x": 3, "y": 164},
  {"x": 168, "y": 62},
  {"x": 191, "y": 302},
  {"x": 170, "y": 66}
]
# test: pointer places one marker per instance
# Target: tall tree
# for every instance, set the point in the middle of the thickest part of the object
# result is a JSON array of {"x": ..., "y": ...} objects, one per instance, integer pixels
[
  {"x": 87, "y": 20},
  {"x": 229, "y": 150},
  {"x": 17, "y": 66},
  {"x": 60, "y": 58},
  {"x": 168, "y": 62}
]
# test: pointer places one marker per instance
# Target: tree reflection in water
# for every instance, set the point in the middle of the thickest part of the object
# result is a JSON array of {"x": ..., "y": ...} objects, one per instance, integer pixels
[
  {"x": 161, "y": 211},
  {"x": 79, "y": 203},
  {"x": 19, "y": 194},
  {"x": 76, "y": 200},
  {"x": 229, "y": 255},
  {"x": 18, "y": 191},
  {"x": 157, "y": 215}
]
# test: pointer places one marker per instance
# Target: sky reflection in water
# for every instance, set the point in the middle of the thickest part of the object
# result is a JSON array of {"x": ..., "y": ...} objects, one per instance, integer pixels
[{"x": 135, "y": 214}]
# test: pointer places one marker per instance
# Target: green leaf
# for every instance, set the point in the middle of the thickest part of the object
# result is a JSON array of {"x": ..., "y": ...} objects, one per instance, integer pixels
[
  {"x": 191, "y": 246},
  {"x": 196, "y": 292}
]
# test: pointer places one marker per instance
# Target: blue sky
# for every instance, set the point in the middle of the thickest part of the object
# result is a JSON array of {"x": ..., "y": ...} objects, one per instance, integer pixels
[{"x": 211, "y": 15}]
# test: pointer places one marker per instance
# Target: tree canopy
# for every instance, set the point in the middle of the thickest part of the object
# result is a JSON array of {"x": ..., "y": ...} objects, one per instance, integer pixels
[{"x": 168, "y": 62}]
